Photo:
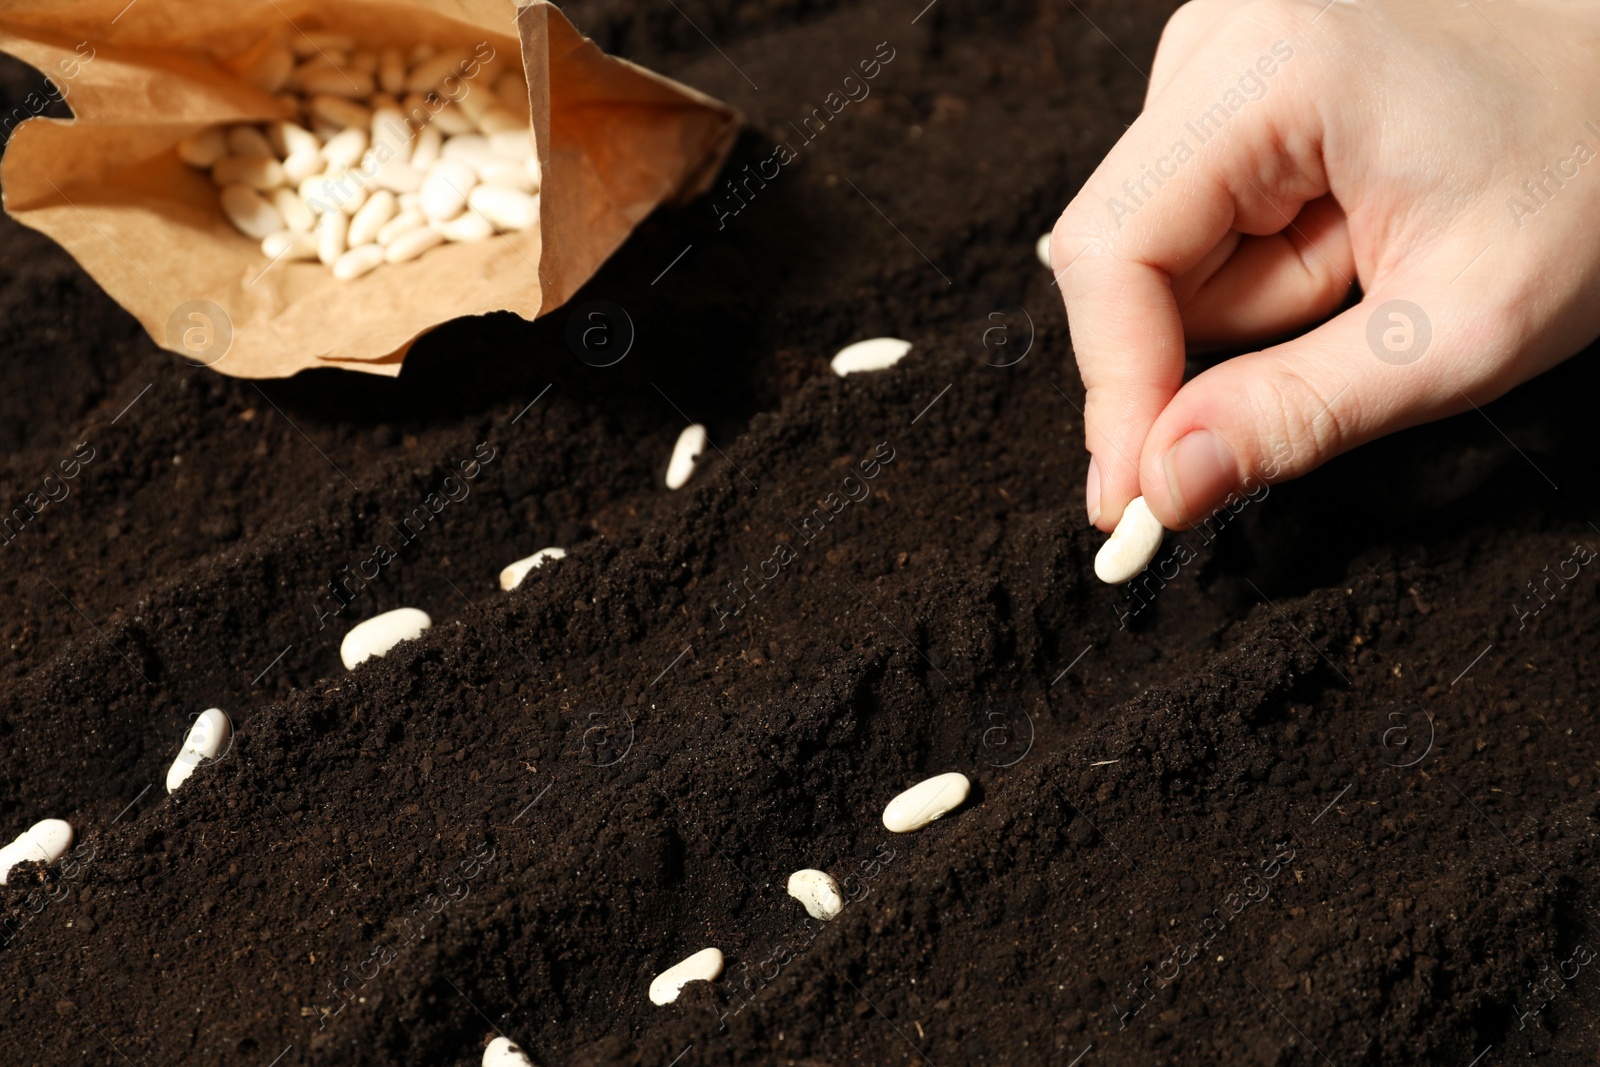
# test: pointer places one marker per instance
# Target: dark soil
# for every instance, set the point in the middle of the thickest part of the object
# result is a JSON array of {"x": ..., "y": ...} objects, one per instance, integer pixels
[{"x": 1330, "y": 798}]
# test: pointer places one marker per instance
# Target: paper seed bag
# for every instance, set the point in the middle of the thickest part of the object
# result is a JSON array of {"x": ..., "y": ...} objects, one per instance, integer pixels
[{"x": 614, "y": 141}]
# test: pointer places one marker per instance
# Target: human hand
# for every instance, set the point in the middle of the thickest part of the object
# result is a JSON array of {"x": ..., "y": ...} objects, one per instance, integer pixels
[{"x": 1434, "y": 156}]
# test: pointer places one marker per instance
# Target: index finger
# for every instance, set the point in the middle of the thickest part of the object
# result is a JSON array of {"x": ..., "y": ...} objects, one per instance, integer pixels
[{"x": 1225, "y": 147}]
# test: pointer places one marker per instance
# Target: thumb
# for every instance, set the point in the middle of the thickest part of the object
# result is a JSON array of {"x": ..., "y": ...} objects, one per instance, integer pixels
[{"x": 1269, "y": 416}]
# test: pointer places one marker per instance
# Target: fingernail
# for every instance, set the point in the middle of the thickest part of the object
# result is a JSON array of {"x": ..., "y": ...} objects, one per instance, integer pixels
[
  {"x": 1091, "y": 492},
  {"x": 1200, "y": 471}
]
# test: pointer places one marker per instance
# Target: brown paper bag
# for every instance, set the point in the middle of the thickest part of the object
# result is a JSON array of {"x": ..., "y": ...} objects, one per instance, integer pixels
[{"x": 614, "y": 141}]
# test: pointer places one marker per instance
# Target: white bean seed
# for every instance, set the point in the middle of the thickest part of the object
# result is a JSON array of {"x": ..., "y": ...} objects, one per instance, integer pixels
[
  {"x": 291, "y": 139},
  {"x": 333, "y": 192},
  {"x": 507, "y": 174},
  {"x": 353, "y": 151},
  {"x": 380, "y": 207},
  {"x": 445, "y": 189},
  {"x": 703, "y": 966},
  {"x": 512, "y": 576},
  {"x": 249, "y": 141},
  {"x": 258, "y": 172},
  {"x": 397, "y": 175},
  {"x": 307, "y": 67},
  {"x": 349, "y": 188},
  {"x": 317, "y": 192},
  {"x": 428, "y": 148},
  {"x": 392, "y": 70},
  {"x": 391, "y": 137},
  {"x": 452, "y": 122},
  {"x": 818, "y": 892},
  {"x": 1041, "y": 248},
  {"x": 470, "y": 148},
  {"x": 431, "y": 71},
  {"x": 339, "y": 111},
  {"x": 925, "y": 802},
  {"x": 43, "y": 842},
  {"x": 379, "y": 634},
  {"x": 468, "y": 227},
  {"x": 512, "y": 144},
  {"x": 489, "y": 114},
  {"x": 205, "y": 740},
  {"x": 333, "y": 228},
  {"x": 691, "y": 442},
  {"x": 357, "y": 261},
  {"x": 473, "y": 102},
  {"x": 303, "y": 164},
  {"x": 512, "y": 89},
  {"x": 416, "y": 109},
  {"x": 203, "y": 147},
  {"x": 345, "y": 149},
  {"x": 503, "y": 1052},
  {"x": 875, "y": 354},
  {"x": 270, "y": 71},
  {"x": 295, "y": 214},
  {"x": 412, "y": 243},
  {"x": 1132, "y": 545},
  {"x": 501, "y": 120},
  {"x": 289, "y": 244},
  {"x": 409, "y": 219},
  {"x": 249, "y": 211},
  {"x": 508, "y": 209}
]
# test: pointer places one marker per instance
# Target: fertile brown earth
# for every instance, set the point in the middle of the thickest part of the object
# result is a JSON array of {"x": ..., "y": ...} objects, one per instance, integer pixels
[{"x": 1326, "y": 793}]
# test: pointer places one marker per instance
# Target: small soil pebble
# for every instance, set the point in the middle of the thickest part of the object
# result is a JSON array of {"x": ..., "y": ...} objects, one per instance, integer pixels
[
  {"x": 43, "y": 842},
  {"x": 503, "y": 1052},
  {"x": 1132, "y": 545},
  {"x": 925, "y": 802},
  {"x": 691, "y": 442},
  {"x": 206, "y": 738},
  {"x": 818, "y": 892},
  {"x": 380, "y": 633},
  {"x": 703, "y": 966},
  {"x": 878, "y": 353},
  {"x": 512, "y": 576}
]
